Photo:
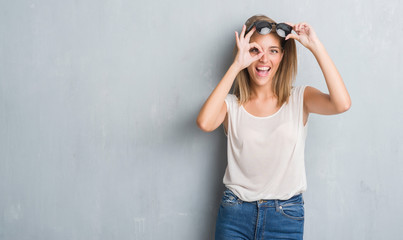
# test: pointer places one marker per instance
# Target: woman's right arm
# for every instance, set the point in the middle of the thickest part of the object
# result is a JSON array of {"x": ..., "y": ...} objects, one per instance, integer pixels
[{"x": 213, "y": 112}]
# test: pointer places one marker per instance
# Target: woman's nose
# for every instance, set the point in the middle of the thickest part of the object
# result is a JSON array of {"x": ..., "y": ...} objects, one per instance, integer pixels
[{"x": 263, "y": 58}]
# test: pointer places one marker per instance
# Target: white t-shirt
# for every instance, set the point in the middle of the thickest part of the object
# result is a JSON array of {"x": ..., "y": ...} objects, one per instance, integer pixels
[{"x": 266, "y": 154}]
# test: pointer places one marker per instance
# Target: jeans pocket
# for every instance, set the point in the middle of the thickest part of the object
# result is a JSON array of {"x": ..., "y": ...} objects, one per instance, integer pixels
[
  {"x": 294, "y": 211},
  {"x": 229, "y": 198}
]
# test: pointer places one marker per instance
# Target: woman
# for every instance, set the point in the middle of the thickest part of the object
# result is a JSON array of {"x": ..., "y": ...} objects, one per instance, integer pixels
[{"x": 265, "y": 120}]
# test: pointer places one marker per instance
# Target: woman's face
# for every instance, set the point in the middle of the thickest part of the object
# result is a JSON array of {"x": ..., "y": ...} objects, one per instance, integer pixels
[{"x": 269, "y": 62}]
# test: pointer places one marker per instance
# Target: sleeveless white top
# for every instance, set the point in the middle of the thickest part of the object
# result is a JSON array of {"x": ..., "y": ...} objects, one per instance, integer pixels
[{"x": 266, "y": 154}]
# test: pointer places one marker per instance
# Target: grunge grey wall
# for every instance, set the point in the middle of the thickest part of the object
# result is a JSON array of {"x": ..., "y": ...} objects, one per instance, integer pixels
[{"x": 98, "y": 107}]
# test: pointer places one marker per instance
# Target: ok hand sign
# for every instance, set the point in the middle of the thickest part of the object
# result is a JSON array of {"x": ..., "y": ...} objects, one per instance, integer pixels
[{"x": 243, "y": 57}]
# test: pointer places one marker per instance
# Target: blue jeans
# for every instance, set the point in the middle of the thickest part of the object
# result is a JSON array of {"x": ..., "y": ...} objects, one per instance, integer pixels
[{"x": 263, "y": 219}]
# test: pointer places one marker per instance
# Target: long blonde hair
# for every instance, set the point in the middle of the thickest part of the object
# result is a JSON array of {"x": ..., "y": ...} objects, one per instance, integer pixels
[{"x": 283, "y": 78}]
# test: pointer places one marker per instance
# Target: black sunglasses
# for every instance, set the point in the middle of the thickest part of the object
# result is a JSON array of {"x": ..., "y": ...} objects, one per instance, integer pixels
[{"x": 265, "y": 27}]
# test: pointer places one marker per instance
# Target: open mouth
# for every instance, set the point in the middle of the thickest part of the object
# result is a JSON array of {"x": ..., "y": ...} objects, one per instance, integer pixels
[{"x": 262, "y": 71}]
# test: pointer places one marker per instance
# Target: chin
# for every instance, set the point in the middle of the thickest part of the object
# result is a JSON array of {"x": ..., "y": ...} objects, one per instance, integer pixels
[{"x": 261, "y": 81}]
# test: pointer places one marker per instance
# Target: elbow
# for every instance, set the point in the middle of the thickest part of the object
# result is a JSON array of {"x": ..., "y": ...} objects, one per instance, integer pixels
[
  {"x": 344, "y": 108},
  {"x": 202, "y": 126}
]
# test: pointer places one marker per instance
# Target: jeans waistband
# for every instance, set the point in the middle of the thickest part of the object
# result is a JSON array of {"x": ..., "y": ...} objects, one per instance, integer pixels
[{"x": 296, "y": 199}]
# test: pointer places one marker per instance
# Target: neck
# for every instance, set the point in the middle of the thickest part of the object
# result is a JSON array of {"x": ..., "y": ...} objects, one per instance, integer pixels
[{"x": 262, "y": 92}]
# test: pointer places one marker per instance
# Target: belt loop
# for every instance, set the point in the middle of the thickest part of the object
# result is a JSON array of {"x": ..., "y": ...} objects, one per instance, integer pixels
[{"x": 276, "y": 204}]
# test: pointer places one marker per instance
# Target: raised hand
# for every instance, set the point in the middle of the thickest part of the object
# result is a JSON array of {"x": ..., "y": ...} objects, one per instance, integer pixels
[
  {"x": 305, "y": 35},
  {"x": 245, "y": 56}
]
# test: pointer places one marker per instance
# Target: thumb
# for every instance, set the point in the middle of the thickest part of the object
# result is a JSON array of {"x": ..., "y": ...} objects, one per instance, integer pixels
[
  {"x": 257, "y": 57},
  {"x": 292, "y": 35}
]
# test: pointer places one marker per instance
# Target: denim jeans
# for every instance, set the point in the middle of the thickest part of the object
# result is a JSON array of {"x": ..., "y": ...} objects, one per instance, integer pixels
[{"x": 263, "y": 219}]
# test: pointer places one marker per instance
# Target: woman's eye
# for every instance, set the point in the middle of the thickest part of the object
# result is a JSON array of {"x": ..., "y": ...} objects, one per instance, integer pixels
[
  {"x": 254, "y": 50},
  {"x": 274, "y": 51}
]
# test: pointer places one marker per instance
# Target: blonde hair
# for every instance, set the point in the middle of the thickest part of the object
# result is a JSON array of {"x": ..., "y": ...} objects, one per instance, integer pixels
[{"x": 283, "y": 78}]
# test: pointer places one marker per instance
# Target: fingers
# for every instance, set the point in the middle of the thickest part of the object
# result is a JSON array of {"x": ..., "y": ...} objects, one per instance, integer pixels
[
  {"x": 247, "y": 36},
  {"x": 250, "y": 33},
  {"x": 236, "y": 38},
  {"x": 254, "y": 44},
  {"x": 241, "y": 37},
  {"x": 297, "y": 28},
  {"x": 243, "y": 31},
  {"x": 293, "y": 36},
  {"x": 261, "y": 52},
  {"x": 241, "y": 34},
  {"x": 301, "y": 27},
  {"x": 258, "y": 56}
]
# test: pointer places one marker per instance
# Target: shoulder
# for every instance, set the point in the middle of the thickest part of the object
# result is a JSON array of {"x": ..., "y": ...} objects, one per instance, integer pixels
[
  {"x": 298, "y": 92},
  {"x": 232, "y": 102},
  {"x": 230, "y": 98},
  {"x": 298, "y": 89}
]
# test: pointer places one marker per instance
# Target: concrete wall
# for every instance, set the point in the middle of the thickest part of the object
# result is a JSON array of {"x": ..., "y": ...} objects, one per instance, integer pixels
[{"x": 98, "y": 103}]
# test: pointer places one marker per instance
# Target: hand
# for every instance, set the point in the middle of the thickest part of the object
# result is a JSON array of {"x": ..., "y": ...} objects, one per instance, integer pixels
[
  {"x": 305, "y": 35},
  {"x": 244, "y": 56}
]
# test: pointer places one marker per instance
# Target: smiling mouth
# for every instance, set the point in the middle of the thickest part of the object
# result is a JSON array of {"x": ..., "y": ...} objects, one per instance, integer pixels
[{"x": 263, "y": 72}]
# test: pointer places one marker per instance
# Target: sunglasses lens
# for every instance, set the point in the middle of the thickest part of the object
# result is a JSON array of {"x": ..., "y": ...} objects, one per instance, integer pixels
[
  {"x": 264, "y": 30},
  {"x": 283, "y": 29},
  {"x": 281, "y": 32},
  {"x": 263, "y": 27}
]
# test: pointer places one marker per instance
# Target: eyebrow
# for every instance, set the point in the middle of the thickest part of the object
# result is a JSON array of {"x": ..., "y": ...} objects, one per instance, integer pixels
[{"x": 273, "y": 47}]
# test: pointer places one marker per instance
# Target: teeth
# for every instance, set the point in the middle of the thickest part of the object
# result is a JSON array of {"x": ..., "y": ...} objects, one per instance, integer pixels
[{"x": 263, "y": 68}]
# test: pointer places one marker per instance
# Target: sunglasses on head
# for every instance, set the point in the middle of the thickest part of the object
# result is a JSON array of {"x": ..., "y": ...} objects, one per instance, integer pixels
[{"x": 265, "y": 27}]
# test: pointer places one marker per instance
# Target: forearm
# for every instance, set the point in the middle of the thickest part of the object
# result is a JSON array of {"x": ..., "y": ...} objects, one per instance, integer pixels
[
  {"x": 338, "y": 93},
  {"x": 211, "y": 108}
]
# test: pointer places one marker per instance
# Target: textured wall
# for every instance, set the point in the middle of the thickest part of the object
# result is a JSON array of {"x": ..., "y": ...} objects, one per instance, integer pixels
[{"x": 98, "y": 103}]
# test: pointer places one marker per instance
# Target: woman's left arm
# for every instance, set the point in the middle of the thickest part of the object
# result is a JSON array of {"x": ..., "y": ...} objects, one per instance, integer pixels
[{"x": 338, "y": 100}]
